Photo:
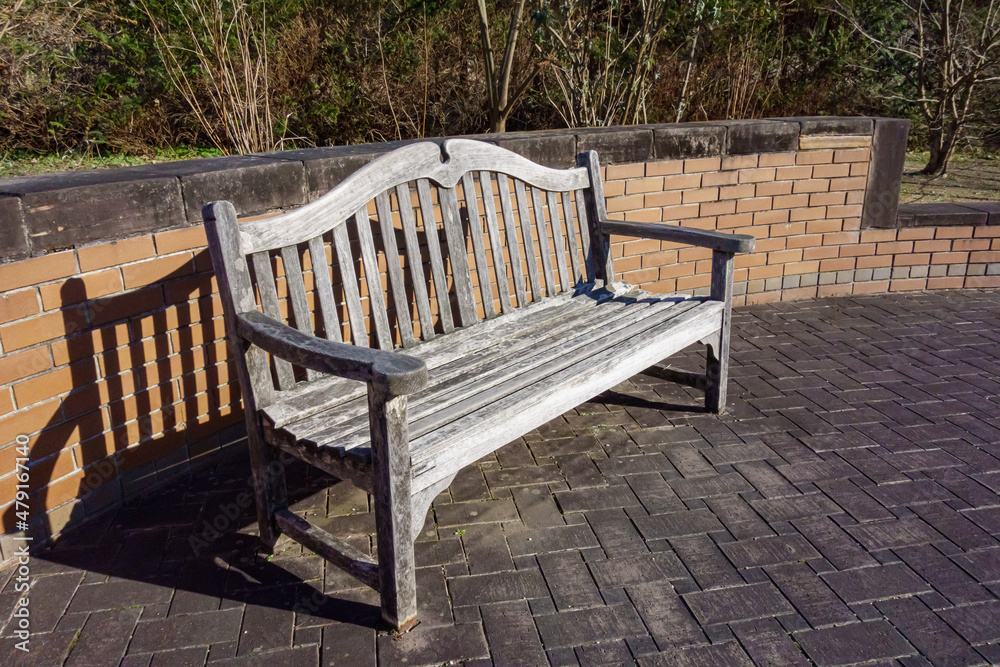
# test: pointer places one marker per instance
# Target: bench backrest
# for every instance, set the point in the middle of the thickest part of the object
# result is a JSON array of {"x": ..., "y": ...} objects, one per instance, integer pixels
[{"x": 530, "y": 231}]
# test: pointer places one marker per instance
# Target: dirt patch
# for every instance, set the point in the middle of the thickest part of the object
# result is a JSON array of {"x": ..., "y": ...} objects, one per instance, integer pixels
[{"x": 968, "y": 179}]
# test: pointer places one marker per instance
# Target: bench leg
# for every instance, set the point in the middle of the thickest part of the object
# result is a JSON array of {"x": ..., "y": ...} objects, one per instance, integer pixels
[
  {"x": 717, "y": 365},
  {"x": 269, "y": 485},
  {"x": 393, "y": 508}
]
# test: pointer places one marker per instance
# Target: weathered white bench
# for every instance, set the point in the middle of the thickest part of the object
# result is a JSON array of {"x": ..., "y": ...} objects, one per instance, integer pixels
[{"x": 542, "y": 328}]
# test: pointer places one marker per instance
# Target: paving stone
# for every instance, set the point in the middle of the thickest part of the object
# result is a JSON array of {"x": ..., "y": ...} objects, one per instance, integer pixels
[
  {"x": 654, "y": 493},
  {"x": 943, "y": 574},
  {"x": 769, "y": 551},
  {"x": 737, "y": 604},
  {"x": 766, "y": 479},
  {"x": 597, "y": 624},
  {"x": 569, "y": 581},
  {"x": 810, "y": 596},
  {"x": 459, "y": 514},
  {"x": 988, "y": 518},
  {"x": 433, "y": 646},
  {"x": 675, "y": 524},
  {"x": 615, "y": 533},
  {"x": 689, "y": 462},
  {"x": 757, "y": 451},
  {"x": 895, "y": 533},
  {"x": 978, "y": 624},
  {"x": 854, "y": 501},
  {"x": 596, "y": 499},
  {"x": 636, "y": 570},
  {"x": 303, "y": 656},
  {"x": 706, "y": 487},
  {"x": 513, "y": 638},
  {"x": 816, "y": 471},
  {"x": 49, "y": 596},
  {"x": 580, "y": 471},
  {"x": 44, "y": 650},
  {"x": 546, "y": 540},
  {"x": 523, "y": 476},
  {"x": 956, "y": 527},
  {"x": 184, "y": 657},
  {"x": 796, "y": 507},
  {"x": 876, "y": 583},
  {"x": 438, "y": 552},
  {"x": 767, "y": 643},
  {"x": 738, "y": 517},
  {"x": 928, "y": 633},
  {"x": 729, "y": 654},
  {"x": 536, "y": 507},
  {"x": 838, "y": 441},
  {"x": 857, "y": 642},
  {"x": 910, "y": 493},
  {"x": 267, "y": 625},
  {"x": 984, "y": 566},
  {"x": 498, "y": 587},
  {"x": 486, "y": 549},
  {"x": 613, "y": 653},
  {"x": 118, "y": 594},
  {"x": 707, "y": 564},
  {"x": 184, "y": 631},
  {"x": 104, "y": 637}
]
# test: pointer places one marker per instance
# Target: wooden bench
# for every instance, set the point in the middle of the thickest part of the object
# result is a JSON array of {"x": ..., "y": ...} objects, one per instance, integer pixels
[{"x": 519, "y": 321}]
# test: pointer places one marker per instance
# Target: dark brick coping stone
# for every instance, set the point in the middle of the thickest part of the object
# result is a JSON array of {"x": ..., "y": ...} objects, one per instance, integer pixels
[
  {"x": 50, "y": 212},
  {"x": 939, "y": 215}
]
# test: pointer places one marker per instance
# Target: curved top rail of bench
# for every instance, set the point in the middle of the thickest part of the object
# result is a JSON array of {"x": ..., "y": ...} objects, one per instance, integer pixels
[{"x": 444, "y": 166}]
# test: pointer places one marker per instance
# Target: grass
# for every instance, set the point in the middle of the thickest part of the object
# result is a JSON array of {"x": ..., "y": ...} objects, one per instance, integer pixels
[
  {"x": 23, "y": 164},
  {"x": 969, "y": 178}
]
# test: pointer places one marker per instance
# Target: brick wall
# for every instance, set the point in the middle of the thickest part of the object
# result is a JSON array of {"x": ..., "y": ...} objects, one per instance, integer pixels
[{"x": 115, "y": 366}]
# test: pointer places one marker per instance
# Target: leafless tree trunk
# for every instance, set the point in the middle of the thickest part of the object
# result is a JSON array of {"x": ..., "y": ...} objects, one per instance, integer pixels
[{"x": 500, "y": 102}]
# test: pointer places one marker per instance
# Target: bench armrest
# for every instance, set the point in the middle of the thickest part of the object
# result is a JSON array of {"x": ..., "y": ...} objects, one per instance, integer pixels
[
  {"x": 391, "y": 372},
  {"x": 700, "y": 237}
]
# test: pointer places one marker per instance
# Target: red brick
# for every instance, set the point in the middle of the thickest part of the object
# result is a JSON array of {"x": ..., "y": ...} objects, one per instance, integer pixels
[
  {"x": 874, "y": 261},
  {"x": 696, "y": 165},
  {"x": 878, "y": 235},
  {"x": 641, "y": 215},
  {"x": 45, "y": 327},
  {"x": 81, "y": 288},
  {"x": 831, "y": 170},
  {"x": 814, "y": 157},
  {"x": 828, "y": 199},
  {"x": 954, "y": 232},
  {"x": 613, "y": 188},
  {"x": 841, "y": 238},
  {"x": 17, "y": 365},
  {"x": 811, "y": 185},
  {"x": 720, "y": 178},
  {"x": 773, "y": 189},
  {"x": 718, "y": 208},
  {"x": 894, "y": 247},
  {"x": 982, "y": 281},
  {"x": 762, "y": 298},
  {"x": 849, "y": 183},
  {"x": 769, "y": 271},
  {"x": 24, "y": 303},
  {"x": 950, "y": 258},
  {"x": 793, "y": 173},
  {"x": 664, "y": 168},
  {"x": 700, "y": 195},
  {"x": 824, "y": 226},
  {"x": 912, "y": 259},
  {"x": 852, "y": 155},
  {"x": 835, "y": 290},
  {"x": 946, "y": 282},
  {"x": 737, "y": 191},
  {"x": 616, "y": 204},
  {"x": 857, "y": 249},
  {"x": 671, "y": 213},
  {"x": 126, "y": 305},
  {"x": 177, "y": 240},
  {"x": 755, "y": 204},
  {"x": 970, "y": 244},
  {"x": 872, "y": 287},
  {"x": 757, "y": 175},
  {"x": 915, "y": 233},
  {"x": 819, "y": 253},
  {"x": 840, "y": 264},
  {"x": 682, "y": 182},
  {"x": 693, "y": 282},
  {"x": 807, "y": 213},
  {"x": 984, "y": 257},
  {"x": 671, "y": 198},
  {"x": 625, "y": 171},
  {"x": 783, "y": 256},
  {"x": 637, "y": 185},
  {"x": 791, "y": 201},
  {"x": 38, "y": 270},
  {"x": 739, "y": 162},
  {"x": 738, "y": 220},
  {"x": 859, "y": 169},
  {"x": 693, "y": 254},
  {"x": 907, "y": 284},
  {"x": 798, "y": 293},
  {"x": 115, "y": 253},
  {"x": 771, "y": 218},
  {"x": 777, "y": 160},
  {"x": 804, "y": 240}
]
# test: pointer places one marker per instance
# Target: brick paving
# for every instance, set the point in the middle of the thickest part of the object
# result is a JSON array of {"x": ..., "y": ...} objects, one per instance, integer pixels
[{"x": 846, "y": 510}]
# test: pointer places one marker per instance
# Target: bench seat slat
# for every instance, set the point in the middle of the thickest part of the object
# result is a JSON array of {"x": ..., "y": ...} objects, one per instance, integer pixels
[{"x": 486, "y": 379}]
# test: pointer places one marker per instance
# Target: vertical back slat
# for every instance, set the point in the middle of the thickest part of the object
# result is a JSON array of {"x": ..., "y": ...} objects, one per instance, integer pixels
[
  {"x": 581, "y": 212},
  {"x": 543, "y": 241},
  {"x": 574, "y": 258},
  {"x": 417, "y": 276},
  {"x": 593, "y": 200},
  {"x": 459, "y": 256},
  {"x": 511, "y": 230},
  {"x": 269, "y": 304},
  {"x": 324, "y": 289},
  {"x": 399, "y": 300},
  {"x": 297, "y": 295},
  {"x": 376, "y": 300},
  {"x": 434, "y": 250},
  {"x": 557, "y": 240},
  {"x": 529, "y": 246},
  {"x": 475, "y": 231},
  {"x": 352, "y": 296},
  {"x": 492, "y": 228}
]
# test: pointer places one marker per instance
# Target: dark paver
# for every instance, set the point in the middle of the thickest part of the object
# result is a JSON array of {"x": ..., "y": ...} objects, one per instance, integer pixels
[
  {"x": 845, "y": 510},
  {"x": 858, "y": 642}
]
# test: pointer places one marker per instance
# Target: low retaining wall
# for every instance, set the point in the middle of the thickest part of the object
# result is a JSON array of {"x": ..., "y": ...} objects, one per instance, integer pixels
[{"x": 114, "y": 364}]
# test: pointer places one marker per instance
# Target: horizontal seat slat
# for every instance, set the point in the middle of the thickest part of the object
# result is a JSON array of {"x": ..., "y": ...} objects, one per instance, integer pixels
[
  {"x": 500, "y": 375},
  {"x": 465, "y": 440}
]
